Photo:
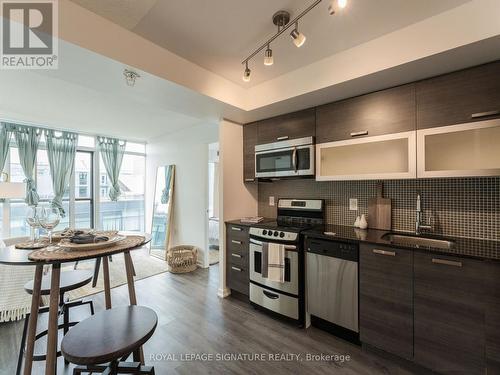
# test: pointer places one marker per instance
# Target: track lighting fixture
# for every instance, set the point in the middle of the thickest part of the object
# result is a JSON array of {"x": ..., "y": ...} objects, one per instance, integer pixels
[
  {"x": 246, "y": 73},
  {"x": 298, "y": 38},
  {"x": 268, "y": 57},
  {"x": 130, "y": 76},
  {"x": 283, "y": 22},
  {"x": 336, "y": 4}
]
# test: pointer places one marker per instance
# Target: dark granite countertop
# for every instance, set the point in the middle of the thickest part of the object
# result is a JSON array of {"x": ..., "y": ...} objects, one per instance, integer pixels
[{"x": 464, "y": 247}]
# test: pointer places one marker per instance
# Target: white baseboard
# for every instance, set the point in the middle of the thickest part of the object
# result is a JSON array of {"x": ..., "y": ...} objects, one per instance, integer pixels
[{"x": 223, "y": 293}]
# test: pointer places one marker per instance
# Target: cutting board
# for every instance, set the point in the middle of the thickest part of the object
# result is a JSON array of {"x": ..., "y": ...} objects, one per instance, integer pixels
[{"x": 379, "y": 211}]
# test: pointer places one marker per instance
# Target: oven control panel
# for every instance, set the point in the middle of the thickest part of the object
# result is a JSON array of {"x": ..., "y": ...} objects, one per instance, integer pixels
[{"x": 271, "y": 234}]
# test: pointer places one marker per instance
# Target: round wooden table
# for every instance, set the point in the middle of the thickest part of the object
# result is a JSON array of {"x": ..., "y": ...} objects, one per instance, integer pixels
[{"x": 55, "y": 257}]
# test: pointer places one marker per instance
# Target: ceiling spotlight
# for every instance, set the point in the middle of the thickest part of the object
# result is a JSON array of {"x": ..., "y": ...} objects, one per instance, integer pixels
[
  {"x": 268, "y": 57},
  {"x": 130, "y": 77},
  {"x": 246, "y": 73},
  {"x": 336, "y": 4},
  {"x": 298, "y": 38}
]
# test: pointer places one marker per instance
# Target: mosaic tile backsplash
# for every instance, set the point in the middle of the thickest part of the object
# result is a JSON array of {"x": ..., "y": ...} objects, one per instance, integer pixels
[{"x": 459, "y": 207}]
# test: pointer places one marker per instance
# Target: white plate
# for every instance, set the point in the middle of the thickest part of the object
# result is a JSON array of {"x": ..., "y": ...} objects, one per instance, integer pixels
[{"x": 66, "y": 244}]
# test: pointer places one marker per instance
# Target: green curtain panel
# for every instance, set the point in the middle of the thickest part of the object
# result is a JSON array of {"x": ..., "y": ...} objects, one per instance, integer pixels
[
  {"x": 28, "y": 139},
  {"x": 5, "y": 135},
  {"x": 112, "y": 150},
  {"x": 61, "y": 151}
]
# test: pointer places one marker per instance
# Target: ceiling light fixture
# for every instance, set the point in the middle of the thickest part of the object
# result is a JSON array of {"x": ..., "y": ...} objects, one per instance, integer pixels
[
  {"x": 282, "y": 20},
  {"x": 246, "y": 73},
  {"x": 298, "y": 38},
  {"x": 268, "y": 57},
  {"x": 130, "y": 77}
]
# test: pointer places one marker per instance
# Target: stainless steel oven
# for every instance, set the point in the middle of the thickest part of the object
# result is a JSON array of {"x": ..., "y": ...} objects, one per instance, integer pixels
[
  {"x": 285, "y": 158},
  {"x": 291, "y": 284}
]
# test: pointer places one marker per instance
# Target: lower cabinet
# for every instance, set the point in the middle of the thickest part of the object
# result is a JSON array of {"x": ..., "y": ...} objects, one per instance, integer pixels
[
  {"x": 449, "y": 314},
  {"x": 493, "y": 319},
  {"x": 386, "y": 299},
  {"x": 237, "y": 250}
]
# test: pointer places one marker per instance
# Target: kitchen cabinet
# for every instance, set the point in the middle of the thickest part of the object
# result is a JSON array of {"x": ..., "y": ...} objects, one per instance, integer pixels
[
  {"x": 449, "y": 314},
  {"x": 382, "y": 112},
  {"x": 463, "y": 150},
  {"x": 237, "y": 250},
  {"x": 460, "y": 97},
  {"x": 386, "y": 299},
  {"x": 249, "y": 142},
  {"x": 389, "y": 156},
  {"x": 492, "y": 318},
  {"x": 290, "y": 126}
]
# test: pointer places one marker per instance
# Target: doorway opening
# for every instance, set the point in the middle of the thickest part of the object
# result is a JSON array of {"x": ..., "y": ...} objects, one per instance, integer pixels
[{"x": 213, "y": 203}]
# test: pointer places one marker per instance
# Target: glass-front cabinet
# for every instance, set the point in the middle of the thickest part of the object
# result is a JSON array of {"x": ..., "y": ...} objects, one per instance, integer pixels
[
  {"x": 471, "y": 149},
  {"x": 391, "y": 156}
]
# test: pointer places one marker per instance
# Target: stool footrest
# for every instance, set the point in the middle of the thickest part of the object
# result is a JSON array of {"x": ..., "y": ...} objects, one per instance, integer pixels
[{"x": 121, "y": 368}]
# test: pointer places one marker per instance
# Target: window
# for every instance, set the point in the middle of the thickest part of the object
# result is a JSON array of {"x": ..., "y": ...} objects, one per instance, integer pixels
[
  {"x": 78, "y": 201},
  {"x": 128, "y": 212}
]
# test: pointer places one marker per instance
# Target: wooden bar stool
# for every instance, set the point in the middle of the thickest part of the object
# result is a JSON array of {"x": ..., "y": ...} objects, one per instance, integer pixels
[
  {"x": 70, "y": 280},
  {"x": 103, "y": 342}
]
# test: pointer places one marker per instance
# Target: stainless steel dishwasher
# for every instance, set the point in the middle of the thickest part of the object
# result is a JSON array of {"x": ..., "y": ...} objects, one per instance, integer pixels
[{"x": 332, "y": 282}]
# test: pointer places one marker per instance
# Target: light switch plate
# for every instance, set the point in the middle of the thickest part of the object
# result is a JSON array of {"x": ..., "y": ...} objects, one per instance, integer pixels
[
  {"x": 271, "y": 201},
  {"x": 353, "y": 204}
]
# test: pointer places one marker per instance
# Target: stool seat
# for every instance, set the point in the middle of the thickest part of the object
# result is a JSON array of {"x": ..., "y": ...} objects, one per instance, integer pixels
[
  {"x": 70, "y": 280},
  {"x": 109, "y": 335}
]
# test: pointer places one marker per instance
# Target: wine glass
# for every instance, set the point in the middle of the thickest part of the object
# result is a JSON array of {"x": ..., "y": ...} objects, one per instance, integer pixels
[
  {"x": 49, "y": 218},
  {"x": 32, "y": 220}
]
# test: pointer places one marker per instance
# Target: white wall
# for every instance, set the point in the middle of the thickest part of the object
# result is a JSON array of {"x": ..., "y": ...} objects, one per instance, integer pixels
[
  {"x": 236, "y": 198},
  {"x": 188, "y": 150}
]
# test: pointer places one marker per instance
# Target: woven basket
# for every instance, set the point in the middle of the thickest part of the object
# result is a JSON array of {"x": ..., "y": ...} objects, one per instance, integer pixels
[{"x": 182, "y": 259}]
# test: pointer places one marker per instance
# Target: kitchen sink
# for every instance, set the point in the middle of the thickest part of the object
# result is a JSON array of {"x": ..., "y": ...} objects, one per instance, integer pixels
[{"x": 408, "y": 239}]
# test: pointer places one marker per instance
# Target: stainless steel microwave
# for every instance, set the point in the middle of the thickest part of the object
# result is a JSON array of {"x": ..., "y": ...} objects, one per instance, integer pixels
[{"x": 285, "y": 158}]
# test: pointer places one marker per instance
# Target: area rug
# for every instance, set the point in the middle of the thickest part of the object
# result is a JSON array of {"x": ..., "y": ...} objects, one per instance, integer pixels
[{"x": 144, "y": 265}]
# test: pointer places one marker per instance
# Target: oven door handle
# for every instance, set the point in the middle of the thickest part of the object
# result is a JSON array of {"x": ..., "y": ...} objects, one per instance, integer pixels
[{"x": 259, "y": 243}]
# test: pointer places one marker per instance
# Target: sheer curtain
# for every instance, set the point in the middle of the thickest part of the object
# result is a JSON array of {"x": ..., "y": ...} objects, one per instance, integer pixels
[
  {"x": 112, "y": 151},
  {"x": 28, "y": 140},
  {"x": 61, "y": 151},
  {"x": 5, "y": 135}
]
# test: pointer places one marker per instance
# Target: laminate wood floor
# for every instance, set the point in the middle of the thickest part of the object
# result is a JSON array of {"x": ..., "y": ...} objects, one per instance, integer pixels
[{"x": 195, "y": 324}]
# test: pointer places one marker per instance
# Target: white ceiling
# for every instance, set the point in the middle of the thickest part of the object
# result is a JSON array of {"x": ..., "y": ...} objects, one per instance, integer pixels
[{"x": 219, "y": 34}]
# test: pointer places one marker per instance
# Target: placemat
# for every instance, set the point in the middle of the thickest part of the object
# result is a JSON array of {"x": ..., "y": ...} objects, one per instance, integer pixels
[
  {"x": 59, "y": 254},
  {"x": 29, "y": 245}
]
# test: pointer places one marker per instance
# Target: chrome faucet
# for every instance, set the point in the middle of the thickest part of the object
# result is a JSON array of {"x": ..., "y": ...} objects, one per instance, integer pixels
[{"x": 418, "y": 221}]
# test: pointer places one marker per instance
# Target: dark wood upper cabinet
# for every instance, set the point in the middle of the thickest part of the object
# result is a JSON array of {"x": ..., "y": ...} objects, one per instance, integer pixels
[
  {"x": 386, "y": 299},
  {"x": 449, "y": 314},
  {"x": 382, "y": 112},
  {"x": 464, "y": 96},
  {"x": 493, "y": 319},
  {"x": 249, "y": 142},
  {"x": 290, "y": 126}
]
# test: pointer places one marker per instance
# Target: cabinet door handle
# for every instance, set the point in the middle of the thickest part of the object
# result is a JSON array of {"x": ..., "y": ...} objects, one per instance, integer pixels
[
  {"x": 357, "y": 134},
  {"x": 236, "y": 255},
  {"x": 236, "y": 242},
  {"x": 236, "y": 229},
  {"x": 282, "y": 138},
  {"x": 485, "y": 114},
  {"x": 270, "y": 295},
  {"x": 384, "y": 252},
  {"x": 447, "y": 262},
  {"x": 249, "y": 179},
  {"x": 236, "y": 269}
]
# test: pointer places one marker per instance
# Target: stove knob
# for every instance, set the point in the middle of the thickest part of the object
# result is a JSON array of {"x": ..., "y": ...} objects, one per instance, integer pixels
[
  {"x": 264, "y": 232},
  {"x": 275, "y": 233},
  {"x": 282, "y": 234}
]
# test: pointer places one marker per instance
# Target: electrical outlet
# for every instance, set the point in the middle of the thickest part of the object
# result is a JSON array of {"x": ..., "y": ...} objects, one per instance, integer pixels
[
  {"x": 271, "y": 201},
  {"x": 353, "y": 204}
]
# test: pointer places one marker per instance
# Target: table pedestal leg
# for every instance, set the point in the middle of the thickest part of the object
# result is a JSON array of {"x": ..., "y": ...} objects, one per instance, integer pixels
[
  {"x": 51, "y": 363},
  {"x": 107, "y": 286},
  {"x": 35, "y": 304},
  {"x": 129, "y": 266}
]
